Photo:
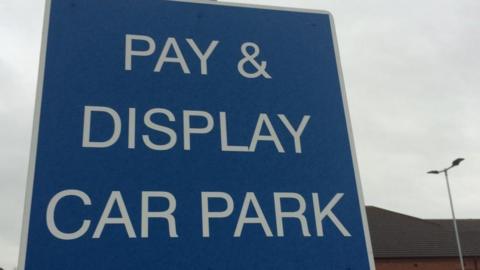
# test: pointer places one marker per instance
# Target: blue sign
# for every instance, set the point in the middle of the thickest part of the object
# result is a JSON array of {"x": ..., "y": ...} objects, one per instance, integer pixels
[{"x": 191, "y": 135}]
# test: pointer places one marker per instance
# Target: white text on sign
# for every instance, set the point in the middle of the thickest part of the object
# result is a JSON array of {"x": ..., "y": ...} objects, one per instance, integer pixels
[
  {"x": 171, "y": 53},
  {"x": 264, "y": 129},
  {"x": 116, "y": 203}
]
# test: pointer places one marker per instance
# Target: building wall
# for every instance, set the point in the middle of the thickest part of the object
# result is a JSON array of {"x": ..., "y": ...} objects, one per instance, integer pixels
[{"x": 426, "y": 264}]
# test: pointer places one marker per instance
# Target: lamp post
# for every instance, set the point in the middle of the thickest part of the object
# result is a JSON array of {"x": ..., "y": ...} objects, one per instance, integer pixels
[{"x": 456, "y": 162}]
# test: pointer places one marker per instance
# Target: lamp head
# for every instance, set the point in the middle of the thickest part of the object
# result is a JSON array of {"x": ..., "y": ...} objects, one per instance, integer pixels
[
  {"x": 433, "y": 172},
  {"x": 457, "y": 161}
]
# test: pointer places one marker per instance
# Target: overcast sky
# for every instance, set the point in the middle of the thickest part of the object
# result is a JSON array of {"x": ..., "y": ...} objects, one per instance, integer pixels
[{"x": 412, "y": 74}]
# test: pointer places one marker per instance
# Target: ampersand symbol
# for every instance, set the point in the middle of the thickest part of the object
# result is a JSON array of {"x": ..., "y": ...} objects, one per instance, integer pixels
[{"x": 261, "y": 68}]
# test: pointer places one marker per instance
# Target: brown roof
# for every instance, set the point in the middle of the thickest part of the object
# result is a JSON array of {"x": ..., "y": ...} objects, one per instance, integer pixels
[{"x": 395, "y": 235}]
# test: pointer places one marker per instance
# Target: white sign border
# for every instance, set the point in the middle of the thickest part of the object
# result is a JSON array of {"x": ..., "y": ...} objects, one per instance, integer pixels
[
  {"x": 38, "y": 103},
  {"x": 366, "y": 229},
  {"x": 34, "y": 141}
]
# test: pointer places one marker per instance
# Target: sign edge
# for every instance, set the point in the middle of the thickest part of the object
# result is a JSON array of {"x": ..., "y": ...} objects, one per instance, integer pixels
[
  {"x": 254, "y": 6},
  {"x": 34, "y": 139},
  {"x": 366, "y": 230}
]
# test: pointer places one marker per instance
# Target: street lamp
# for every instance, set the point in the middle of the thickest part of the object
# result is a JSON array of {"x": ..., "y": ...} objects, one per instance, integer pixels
[{"x": 445, "y": 171}]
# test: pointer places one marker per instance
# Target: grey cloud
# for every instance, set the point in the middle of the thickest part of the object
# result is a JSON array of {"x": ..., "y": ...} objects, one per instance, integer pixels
[{"x": 20, "y": 23}]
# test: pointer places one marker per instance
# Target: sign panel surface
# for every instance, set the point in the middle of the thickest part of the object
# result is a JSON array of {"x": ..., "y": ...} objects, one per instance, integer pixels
[{"x": 188, "y": 135}]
